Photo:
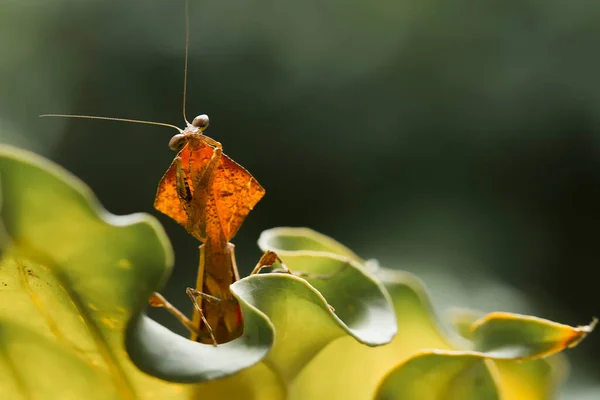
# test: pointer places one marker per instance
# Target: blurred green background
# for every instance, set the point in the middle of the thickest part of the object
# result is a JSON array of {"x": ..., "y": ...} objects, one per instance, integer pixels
[{"x": 457, "y": 140}]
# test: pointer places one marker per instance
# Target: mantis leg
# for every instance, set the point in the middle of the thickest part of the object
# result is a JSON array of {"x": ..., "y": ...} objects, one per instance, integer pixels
[
  {"x": 194, "y": 294},
  {"x": 202, "y": 189},
  {"x": 157, "y": 300},
  {"x": 194, "y": 201},
  {"x": 212, "y": 142},
  {"x": 267, "y": 260},
  {"x": 183, "y": 189}
]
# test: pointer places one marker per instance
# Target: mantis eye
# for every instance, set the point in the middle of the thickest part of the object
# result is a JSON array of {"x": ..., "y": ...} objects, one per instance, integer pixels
[
  {"x": 177, "y": 142},
  {"x": 201, "y": 121}
]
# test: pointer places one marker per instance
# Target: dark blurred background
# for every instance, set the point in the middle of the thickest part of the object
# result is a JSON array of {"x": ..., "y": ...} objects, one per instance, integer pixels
[{"x": 457, "y": 140}]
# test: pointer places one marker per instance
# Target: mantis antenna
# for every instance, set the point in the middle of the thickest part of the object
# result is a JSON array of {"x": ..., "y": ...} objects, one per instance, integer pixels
[
  {"x": 187, "y": 50},
  {"x": 134, "y": 121}
]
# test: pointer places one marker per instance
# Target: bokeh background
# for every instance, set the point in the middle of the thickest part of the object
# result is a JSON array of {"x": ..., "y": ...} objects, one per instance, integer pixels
[{"x": 457, "y": 140}]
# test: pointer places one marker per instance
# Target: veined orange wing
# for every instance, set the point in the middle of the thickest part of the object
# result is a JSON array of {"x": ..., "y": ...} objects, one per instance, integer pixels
[
  {"x": 234, "y": 189},
  {"x": 167, "y": 201},
  {"x": 236, "y": 192}
]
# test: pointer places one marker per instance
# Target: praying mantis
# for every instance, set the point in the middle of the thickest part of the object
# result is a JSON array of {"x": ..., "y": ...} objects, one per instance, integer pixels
[{"x": 210, "y": 195}]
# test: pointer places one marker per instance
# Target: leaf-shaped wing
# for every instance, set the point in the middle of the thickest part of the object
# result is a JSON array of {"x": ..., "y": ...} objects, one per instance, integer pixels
[
  {"x": 167, "y": 201},
  {"x": 234, "y": 190}
]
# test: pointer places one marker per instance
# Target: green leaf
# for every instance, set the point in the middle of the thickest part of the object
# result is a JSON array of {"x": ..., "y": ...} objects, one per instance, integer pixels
[
  {"x": 71, "y": 277},
  {"x": 300, "y": 312},
  {"x": 512, "y": 377},
  {"x": 514, "y": 336},
  {"x": 360, "y": 301},
  {"x": 303, "y": 241},
  {"x": 447, "y": 375},
  {"x": 166, "y": 355},
  {"x": 531, "y": 379}
]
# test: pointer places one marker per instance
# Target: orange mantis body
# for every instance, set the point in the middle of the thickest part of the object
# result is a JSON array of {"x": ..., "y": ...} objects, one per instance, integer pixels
[{"x": 210, "y": 195}]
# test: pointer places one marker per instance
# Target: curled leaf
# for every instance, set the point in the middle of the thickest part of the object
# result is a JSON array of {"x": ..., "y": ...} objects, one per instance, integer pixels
[
  {"x": 71, "y": 277},
  {"x": 514, "y": 336},
  {"x": 166, "y": 355},
  {"x": 530, "y": 379},
  {"x": 448, "y": 375},
  {"x": 289, "y": 241},
  {"x": 360, "y": 301}
]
